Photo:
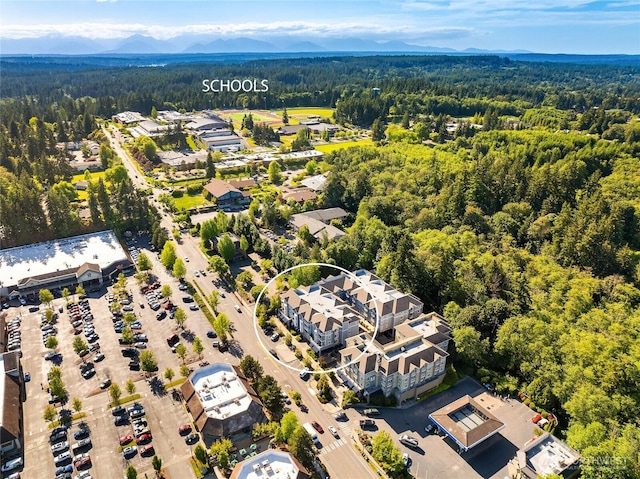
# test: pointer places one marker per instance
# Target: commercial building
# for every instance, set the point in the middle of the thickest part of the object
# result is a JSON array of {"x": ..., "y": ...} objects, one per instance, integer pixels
[
  {"x": 271, "y": 464},
  {"x": 466, "y": 423},
  {"x": 127, "y": 117},
  {"x": 543, "y": 456},
  {"x": 12, "y": 395},
  {"x": 221, "y": 402},
  {"x": 85, "y": 260},
  {"x": 404, "y": 362}
]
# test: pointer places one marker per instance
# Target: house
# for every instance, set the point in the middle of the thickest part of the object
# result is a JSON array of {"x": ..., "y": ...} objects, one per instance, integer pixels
[
  {"x": 315, "y": 183},
  {"x": 289, "y": 129},
  {"x": 225, "y": 194},
  {"x": 466, "y": 423},
  {"x": 244, "y": 184},
  {"x": 222, "y": 403},
  {"x": 327, "y": 214},
  {"x": 318, "y": 127},
  {"x": 300, "y": 196},
  {"x": 317, "y": 228}
]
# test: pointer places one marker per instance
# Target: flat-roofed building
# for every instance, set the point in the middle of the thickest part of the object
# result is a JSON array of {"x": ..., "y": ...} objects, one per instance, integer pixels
[
  {"x": 222, "y": 402},
  {"x": 466, "y": 422},
  {"x": 543, "y": 456},
  {"x": 12, "y": 395},
  {"x": 85, "y": 260},
  {"x": 404, "y": 363},
  {"x": 315, "y": 183},
  {"x": 271, "y": 464},
  {"x": 127, "y": 117}
]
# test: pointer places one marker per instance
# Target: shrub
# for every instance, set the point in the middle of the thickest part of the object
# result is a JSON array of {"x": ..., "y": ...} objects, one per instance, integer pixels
[{"x": 298, "y": 354}]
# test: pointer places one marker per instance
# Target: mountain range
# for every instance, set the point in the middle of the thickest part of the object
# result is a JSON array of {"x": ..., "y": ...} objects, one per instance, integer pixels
[{"x": 140, "y": 44}]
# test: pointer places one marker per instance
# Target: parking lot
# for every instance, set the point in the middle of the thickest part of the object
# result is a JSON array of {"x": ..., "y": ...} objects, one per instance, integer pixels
[
  {"x": 437, "y": 457},
  {"x": 163, "y": 414}
]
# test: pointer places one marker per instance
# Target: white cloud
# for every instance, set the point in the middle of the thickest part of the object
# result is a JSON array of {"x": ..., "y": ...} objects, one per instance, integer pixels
[{"x": 123, "y": 30}]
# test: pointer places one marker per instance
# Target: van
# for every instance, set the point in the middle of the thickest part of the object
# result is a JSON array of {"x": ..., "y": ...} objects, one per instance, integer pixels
[{"x": 173, "y": 339}]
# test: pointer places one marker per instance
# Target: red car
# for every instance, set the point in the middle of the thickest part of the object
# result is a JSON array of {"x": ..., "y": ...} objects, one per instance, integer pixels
[
  {"x": 143, "y": 438},
  {"x": 82, "y": 461},
  {"x": 317, "y": 427},
  {"x": 147, "y": 450},
  {"x": 184, "y": 429},
  {"x": 126, "y": 439}
]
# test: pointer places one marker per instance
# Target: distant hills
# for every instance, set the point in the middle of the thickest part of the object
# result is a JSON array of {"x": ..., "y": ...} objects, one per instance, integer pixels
[{"x": 140, "y": 44}]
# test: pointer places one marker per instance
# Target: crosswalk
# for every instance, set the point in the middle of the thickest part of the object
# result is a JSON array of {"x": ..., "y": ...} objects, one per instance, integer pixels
[{"x": 334, "y": 445}]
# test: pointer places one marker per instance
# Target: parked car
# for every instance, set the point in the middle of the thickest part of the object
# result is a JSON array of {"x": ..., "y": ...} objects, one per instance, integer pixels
[
  {"x": 98, "y": 357},
  {"x": 125, "y": 439},
  {"x": 147, "y": 450},
  {"x": 62, "y": 458},
  {"x": 105, "y": 384},
  {"x": 11, "y": 464},
  {"x": 184, "y": 429},
  {"x": 340, "y": 416},
  {"x": 408, "y": 441},
  {"x": 194, "y": 307},
  {"x": 367, "y": 424},
  {"x": 59, "y": 447},
  {"x": 129, "y": 451},
  {"x": 371, "y": 412},
  {"x": 143, "y": 438},
  {"x": 192, "y": 438},
  {"x": 81, "y": 433},
  {"x": 81, "y": 460},
  {"x": 333, "y": 431}
]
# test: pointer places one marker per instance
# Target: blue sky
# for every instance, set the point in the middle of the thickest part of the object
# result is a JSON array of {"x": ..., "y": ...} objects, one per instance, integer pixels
[{"x": 549, "y": 26}]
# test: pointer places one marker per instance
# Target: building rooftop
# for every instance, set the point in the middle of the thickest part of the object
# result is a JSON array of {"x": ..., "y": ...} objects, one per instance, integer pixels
[
  {"x": 9, "y": 396},
  {"x": 270, "y": 464},
  {"x": 409, "y": 349},
  {"x": 37, "y": 259},
  {"x": 316, "y": 227},
  {"x": 547, "y": 455},
  {"x": 466, "y": 422},
  {"x": 321, "y": 307},
  {"x": 219, "y": 188},
  {"x": 300, "y": 195},
  {"x": 220, "y": 391}
]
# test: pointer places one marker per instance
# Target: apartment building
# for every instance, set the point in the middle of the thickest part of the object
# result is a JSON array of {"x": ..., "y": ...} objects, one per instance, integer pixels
[
  {"x": 323, "y": 319},
  {"x": 404, "y": 363},
  {"x": 376, "y": 300}
]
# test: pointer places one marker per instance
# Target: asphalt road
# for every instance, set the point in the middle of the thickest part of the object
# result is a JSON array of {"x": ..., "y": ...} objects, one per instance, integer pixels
[{"x": 336, "y": 454}]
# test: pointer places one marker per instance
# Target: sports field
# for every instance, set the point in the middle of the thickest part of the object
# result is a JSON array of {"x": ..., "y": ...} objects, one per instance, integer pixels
[{"x": 328, "y": 148}]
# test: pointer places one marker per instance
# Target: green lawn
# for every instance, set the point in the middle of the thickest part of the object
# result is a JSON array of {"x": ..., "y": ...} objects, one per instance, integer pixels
[
  {"x": 188, "y": 201},
  {"x": 343, "y": 144},
  {"x": 304, "y": 112},
  {"x": 95, "y": 176}
]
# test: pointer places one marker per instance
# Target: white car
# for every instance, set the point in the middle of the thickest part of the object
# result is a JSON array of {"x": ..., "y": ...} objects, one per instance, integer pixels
[
  {"x": 237, "y": 308},
  {"x": 11, "y": 464},
  {"x": 333, "y": 431}
]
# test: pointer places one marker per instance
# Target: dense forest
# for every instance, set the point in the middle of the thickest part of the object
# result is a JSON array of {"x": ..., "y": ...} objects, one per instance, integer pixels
[{"x": 524, "y": 230}]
